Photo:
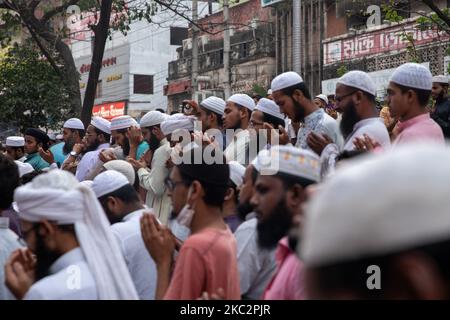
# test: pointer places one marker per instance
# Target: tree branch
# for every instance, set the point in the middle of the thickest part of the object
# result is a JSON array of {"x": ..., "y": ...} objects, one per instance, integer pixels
[
  {"x": 57, "y": 10},
  {"x": 438, "y": 11}
]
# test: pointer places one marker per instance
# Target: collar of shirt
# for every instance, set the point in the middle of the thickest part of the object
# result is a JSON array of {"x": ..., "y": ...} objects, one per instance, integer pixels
[
  {"x": 71, "y": 257},
  {"x": 32, "y": 156},
  {"x": 362, "y": 123},
  {"x": 22, "y": 159},
  {"x": 163, "y": 142},
  {"x": 103, "y": 146},
  {"x": 417, "y": 119},
  {"x": 241, "y": 134},
  {"x": 282, "y": 251},
  {"x": 313, "y": 117},
  {"x": 133, "y": 214}
]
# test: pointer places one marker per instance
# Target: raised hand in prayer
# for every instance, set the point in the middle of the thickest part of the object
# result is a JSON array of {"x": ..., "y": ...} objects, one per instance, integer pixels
[
  {"x": 281, "y": 138},
  {"x": 78, "y": 148},
  {"x": 20, "y": 272},
  {"x": 366, "y": 143},
  {"x": 158, "y": 240},
  {"x": 317, "y": 143},
  {"x": 107, "y": 155},
  {"x": 47, "y": 155},
  {"x": 134, "y": 135},
  {"x": 137, "y": 164},
  {"x": 147, "y": 157}
]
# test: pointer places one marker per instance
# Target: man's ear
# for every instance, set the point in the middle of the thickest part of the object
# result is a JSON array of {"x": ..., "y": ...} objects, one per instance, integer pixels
[
  {"x": 46, "y": 228},
  {"x": 295, "y": 196},
  {"x": 298, "y": 95},
  {"x": 230, "y": 194},
  {"x": 197, "y": 190}
]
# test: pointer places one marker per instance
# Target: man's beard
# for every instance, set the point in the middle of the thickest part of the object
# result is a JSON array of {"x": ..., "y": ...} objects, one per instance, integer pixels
[
  {"x": 153, "y": 143},
  {"x": 68, "y": 146},
  {"x": 93, "y": 146},
  {"x": 112, "y": 218},
  {"x": 44, "y": 258},
  {"x": 349, "y": 119},
  {"x": 243, "y": 210},
  {"x": 299, "y": 111},
  {"x": 274, "y": 227},
  {"x": 126, "y": 147},
  {"x": 237, "y": 125}
]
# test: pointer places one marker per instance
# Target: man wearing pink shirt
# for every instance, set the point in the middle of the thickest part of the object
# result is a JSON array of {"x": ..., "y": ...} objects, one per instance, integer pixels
[
  {"x": 278, "y": 200},
  {"x": 408, "y": 94}
]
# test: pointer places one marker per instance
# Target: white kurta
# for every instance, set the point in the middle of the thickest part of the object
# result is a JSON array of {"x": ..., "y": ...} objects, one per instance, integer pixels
[
  {"x": 88, "y": 162},
  {"x": 69, "y": 279},
  {"x": 319, "y": 122},
  {"x": 373, "y": 127},
  {"x": 238, "y": 148},
  {"x": 139, "y": 262},
  {"x": 153, "y": 181},
  {"x": 256, "y": 266}
]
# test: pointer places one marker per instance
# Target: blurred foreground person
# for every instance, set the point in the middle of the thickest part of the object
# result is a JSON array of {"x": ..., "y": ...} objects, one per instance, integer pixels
[{"x": 394, "y": 245}]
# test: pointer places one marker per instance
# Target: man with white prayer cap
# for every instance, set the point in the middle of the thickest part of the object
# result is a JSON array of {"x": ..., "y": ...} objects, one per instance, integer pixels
[
  {"x": 321, "y": 101},
  {"x": 77, "y": 256},
  {"x": 124, "y": 209},
  {"x": 211, "y": 112},
  {"x": 355, "y": 100},
  {"x": 15, "y": 148},
  {"x": 441, "y": 112},
  {"x": 24, "y": 168},
  {"x": 280, "y": 192},
  {"x": 256, "y": 265},
  {"x": 230, "y": 203},
  {"x": 408, "y": 93},
  {"x": 294, "y": 99},
  {"x": 153, "y": 172},
  {"x": 121, "y": 127},
  {"x": 236, "y": 120},
  {"x": 73, "y": 133},
  {"x": 393, "y": 245},
  {"x": 123, "y": 167},
  {"x": 98, "y": 135},
  {"x": 177, "y": 126}
]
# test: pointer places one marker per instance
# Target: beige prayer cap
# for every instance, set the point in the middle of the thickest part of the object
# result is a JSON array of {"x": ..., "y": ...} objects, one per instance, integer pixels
[{"x": 380, "y": 205}]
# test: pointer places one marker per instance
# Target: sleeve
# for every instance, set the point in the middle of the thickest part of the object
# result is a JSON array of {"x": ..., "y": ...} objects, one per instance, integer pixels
[
  {"x": 142, "y": 148},
  {"x": 248, "y": 263},
  {"x": 34, "y": 294},
  {"x": 328, "y": 160},
  {"x": 153, "y": 179},
  {"x": 189, "y": 276}
]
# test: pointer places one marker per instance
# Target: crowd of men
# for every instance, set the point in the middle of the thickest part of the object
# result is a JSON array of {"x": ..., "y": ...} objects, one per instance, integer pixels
[{"x": 299, "y": 201}]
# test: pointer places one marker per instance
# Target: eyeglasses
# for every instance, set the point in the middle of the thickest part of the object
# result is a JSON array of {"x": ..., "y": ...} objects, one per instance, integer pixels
[
  {"x": 170, "y": 184},
  {"x": 339, "y": 99}
]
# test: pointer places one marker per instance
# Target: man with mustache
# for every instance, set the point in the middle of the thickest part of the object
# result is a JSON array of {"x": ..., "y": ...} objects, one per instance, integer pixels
[
  {"x": 98, "y": 137},
  {"x": 277, "y": 200},
  {"x": 256, "y": 265},
  {"x": 153, "y": 174},
  {"x": 355, "y": 99},
  {"x": 76, "y": 256},
  {"x": 291, "y": 94}
]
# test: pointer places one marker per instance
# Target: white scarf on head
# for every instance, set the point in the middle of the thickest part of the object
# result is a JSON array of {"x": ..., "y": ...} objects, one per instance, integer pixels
[{"x": 80, "y": 207}]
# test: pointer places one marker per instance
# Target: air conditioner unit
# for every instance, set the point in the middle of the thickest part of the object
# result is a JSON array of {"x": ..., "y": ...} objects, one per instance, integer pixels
[
  {"x": 231, "y": 31},
  {"x": 187, "y": 44}
]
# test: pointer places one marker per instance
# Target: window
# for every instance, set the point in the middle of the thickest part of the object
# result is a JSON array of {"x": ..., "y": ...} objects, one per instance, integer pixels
[
  {"x": 243, "y": 50},
  {"x": 98, "y": 91},
  {"x": 143, "y": 84}
]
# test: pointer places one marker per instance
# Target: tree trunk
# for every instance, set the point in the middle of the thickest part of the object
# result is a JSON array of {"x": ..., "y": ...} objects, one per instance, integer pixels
[{"x": 101, "y": 35}]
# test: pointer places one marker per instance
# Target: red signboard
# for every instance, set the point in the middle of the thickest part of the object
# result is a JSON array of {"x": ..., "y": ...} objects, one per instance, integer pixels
[
  {"x": 109, "y": 110},
  {"x": 378, "y": 41}
]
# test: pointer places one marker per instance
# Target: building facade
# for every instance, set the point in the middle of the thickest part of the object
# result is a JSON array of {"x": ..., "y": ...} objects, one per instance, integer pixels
[
  {"x": 252, "y": 57},
  {"x": 135, "y": 66}
]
